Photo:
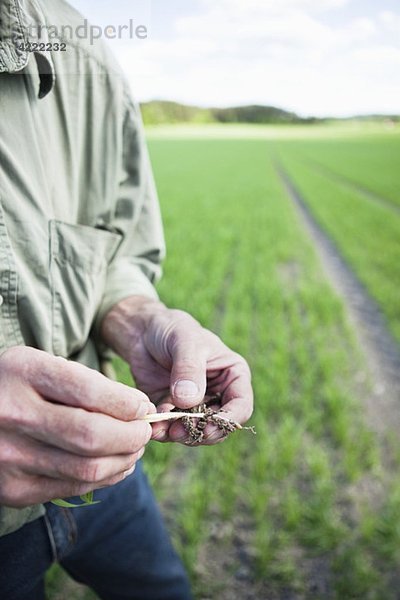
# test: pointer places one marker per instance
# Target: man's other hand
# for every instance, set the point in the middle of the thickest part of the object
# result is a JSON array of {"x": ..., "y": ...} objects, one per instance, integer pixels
[{"x": 64, "y": 429}]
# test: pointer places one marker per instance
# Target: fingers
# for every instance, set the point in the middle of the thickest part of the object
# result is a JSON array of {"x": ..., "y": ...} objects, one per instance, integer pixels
[
  {"x": 234, "y": 384},
  {"x": 32, "y": 472},
  {"x": 237, "y": 398},
  {"x": 168, "y": 431},
  {"x": 188, "y": 374},
  {"x": 58, "y": 464},
  {"x": 178, "y": 434},
  {"x": 161, "y": 430},
  {"x": 90, "y": 432},
  {"x": 74, "y": 384},
  {"x": 36, "y": 489},
  {"x": 237, "y": 401},
  {"x": 86, "y": 434},
  {"x": 199, "y": 355}
]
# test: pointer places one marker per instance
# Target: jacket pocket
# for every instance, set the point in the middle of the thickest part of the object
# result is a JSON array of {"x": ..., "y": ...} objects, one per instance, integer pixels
[{"x": 79, "y": 257}]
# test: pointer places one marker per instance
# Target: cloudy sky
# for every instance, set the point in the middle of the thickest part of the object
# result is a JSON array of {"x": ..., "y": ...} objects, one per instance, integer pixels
[{"x": 315, "y": 57}]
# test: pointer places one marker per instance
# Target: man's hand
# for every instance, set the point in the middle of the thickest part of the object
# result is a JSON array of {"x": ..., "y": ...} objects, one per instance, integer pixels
[
  {"x": 177, "y": 362},
  {"x": 64, "y": 429}
]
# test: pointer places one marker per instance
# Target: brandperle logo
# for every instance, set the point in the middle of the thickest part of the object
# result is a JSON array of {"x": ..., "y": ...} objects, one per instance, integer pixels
[
  {"x": 37, "y": 32},
  {"x": 86, "y": 31}
]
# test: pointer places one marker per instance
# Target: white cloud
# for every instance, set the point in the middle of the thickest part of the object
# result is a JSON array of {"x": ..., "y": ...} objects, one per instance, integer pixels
[
  {"x": 292, "y": 28},
  {"x": 362, "y": 28},
  {"x": 271, "y": 6},
  {"x": 390, "y": 20},
  {"x": 381, "y": 55},
  {"x": 272, "y": 52}
]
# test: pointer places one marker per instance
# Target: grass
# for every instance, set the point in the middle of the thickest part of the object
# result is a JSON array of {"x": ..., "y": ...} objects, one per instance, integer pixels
[
  {"x": 288, "y": 503},
  {"x": 368, "y": 162},
  {"x": 367, "y": 233}
]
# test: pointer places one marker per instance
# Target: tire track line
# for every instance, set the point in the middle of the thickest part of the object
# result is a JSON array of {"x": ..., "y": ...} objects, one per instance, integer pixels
[
  {"x": 347, "y": 183},
  {"x": 381, "y": 350}
]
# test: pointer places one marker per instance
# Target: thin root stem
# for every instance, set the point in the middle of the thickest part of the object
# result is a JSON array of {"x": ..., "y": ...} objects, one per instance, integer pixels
[{"x": 170, "y": 416}]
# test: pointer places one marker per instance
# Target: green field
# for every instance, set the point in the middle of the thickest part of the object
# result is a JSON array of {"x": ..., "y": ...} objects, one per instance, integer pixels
[
  {"x": 310, "y": 507},
  {"x": 366, "y": 231},
  {"x": 367, "y": 162}
]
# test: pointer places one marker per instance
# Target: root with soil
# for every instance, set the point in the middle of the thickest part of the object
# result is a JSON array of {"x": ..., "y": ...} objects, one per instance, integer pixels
[{"x": 196, "y": 419}]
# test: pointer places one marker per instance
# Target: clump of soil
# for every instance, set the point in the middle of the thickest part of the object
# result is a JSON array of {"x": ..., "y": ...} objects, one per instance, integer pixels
[{"x": 195, "y": 427}]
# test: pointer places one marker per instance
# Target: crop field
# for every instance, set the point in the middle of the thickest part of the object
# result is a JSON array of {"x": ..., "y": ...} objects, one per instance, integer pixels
[
  {"x": 310, "y": 506},
  {"x": 365, "y": 225}
]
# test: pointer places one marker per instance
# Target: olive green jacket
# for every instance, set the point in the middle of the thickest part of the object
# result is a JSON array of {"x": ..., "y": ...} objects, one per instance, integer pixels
[{"x": 80, "y": 226}]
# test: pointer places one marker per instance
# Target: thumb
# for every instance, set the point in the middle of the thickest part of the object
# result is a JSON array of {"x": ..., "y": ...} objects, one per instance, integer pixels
[{"x": 188, "y": 375}]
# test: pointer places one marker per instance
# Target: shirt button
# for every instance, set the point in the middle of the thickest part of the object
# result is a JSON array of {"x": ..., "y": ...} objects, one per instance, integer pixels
[{"x": 1, "y": 299}]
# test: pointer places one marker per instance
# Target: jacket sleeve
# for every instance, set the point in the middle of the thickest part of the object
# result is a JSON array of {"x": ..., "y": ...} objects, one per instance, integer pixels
[{"x": 136, "y": 266}]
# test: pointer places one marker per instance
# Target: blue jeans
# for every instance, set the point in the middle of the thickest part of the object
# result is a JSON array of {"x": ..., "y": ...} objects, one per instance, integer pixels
[{"x": 119, "y": 548}]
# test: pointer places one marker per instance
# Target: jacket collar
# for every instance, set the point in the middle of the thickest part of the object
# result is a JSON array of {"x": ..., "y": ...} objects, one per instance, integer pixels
[{"x": 17, "y": 19}]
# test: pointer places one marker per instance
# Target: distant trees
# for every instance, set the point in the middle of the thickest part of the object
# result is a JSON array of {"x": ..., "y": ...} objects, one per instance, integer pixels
[
  {"x": 158, "y": 112},
  {"x": 254, "y": 114},
  {"x": 165, "y": 112}
]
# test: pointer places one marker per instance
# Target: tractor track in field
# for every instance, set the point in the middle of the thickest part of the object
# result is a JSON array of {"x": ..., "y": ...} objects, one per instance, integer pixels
[
  {"x": 349, "y": 184},
  {"x": 381, "y": 350}
]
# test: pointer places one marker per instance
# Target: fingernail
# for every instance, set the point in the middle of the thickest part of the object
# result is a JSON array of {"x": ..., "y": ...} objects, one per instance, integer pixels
[{"x": 185, "y": 388}]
